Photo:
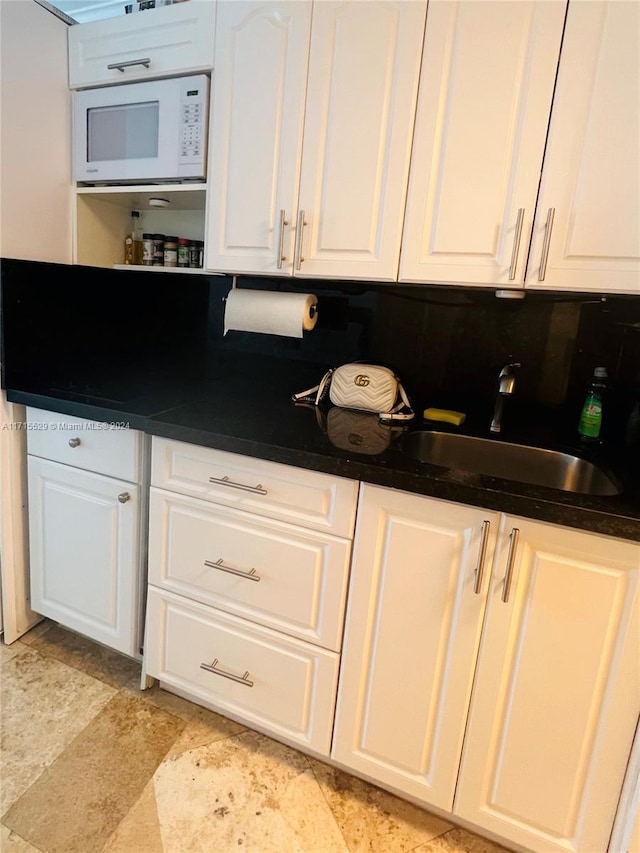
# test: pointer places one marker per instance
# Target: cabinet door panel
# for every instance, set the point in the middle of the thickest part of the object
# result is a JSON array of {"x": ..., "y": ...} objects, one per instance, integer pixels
[
  {"x": 483, "y": 109},
  {"x": 83, "y": 550},
  {"x": 173, "y": 39},
  {"x": 363, "y": 77},
  {"x": 557, "y": 691},
  {"x": 256, "y": 134},
  {"x": 413, "y": 629},
  {"x": 591, "y": 176}
]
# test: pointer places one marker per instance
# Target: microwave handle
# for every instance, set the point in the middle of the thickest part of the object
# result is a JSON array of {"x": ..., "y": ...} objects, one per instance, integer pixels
[{"x": 122, "y": 65}]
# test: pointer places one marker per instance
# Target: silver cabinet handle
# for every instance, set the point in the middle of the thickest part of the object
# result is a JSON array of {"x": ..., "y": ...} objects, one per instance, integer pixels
[
  {"x": 516, "y": 244},
  {"x": 508, "y": 576},
  {"x": 219, "y": 564},
  {"x": 74, "y": 442},
  {"x": 281, "y": 256},
  {"x": 120, "y": 66},
  {"x": 546, "y": 243},
  {"x": 225, "y": 481},
  {"x": 124, "y": 497},
  {"x": 486, "y": 527},
  {"x": 215, "y": 669},
  {"x": 299, "y": 233}
]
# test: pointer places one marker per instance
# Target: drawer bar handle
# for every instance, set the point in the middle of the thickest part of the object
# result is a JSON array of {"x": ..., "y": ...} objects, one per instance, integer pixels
[
  {"x": 120, "y": 66},
  {"x": 281, "y": 256},
  {"x": 74, "y": 442},
  {"x": 546, "y": 243},
  {"x": 240, "y": 679},
  {"x": 219, "y": 564},
  {"x": 299, "y": 234},
  {"x": 516, "y": 244},
  {"x": 486, "y": 527},
  {"x": 508, "y": 577},
  {"x": 225, "y": 481}
]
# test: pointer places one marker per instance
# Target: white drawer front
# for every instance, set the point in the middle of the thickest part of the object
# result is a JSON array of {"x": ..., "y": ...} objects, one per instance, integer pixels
[
  {"x": 296, "y": 495},
  {"x": 278, "y": 683},
  {"x": 285, "y": 577},
  {"x": 92, "y": 446},
  {"x": 175, "y": 39}
]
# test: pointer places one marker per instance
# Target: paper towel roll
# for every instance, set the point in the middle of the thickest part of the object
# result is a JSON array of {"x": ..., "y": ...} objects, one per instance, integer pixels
[{"x": 269, "y": 312}]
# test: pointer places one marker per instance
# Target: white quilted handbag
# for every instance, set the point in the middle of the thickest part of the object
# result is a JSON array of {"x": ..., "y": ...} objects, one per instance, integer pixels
[{"x": 366, "y": 387}]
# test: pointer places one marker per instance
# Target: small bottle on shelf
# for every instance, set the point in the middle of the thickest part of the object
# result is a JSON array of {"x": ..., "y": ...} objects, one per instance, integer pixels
[
  {"x": 170, "y": 251},
  {"x": 147, "y": 250},
  {"x": 183, "y": 251},
  {"x": 133, "y": 241}
]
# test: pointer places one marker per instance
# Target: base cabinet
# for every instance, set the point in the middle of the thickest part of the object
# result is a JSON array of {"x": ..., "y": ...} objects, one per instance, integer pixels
[
  {"x": 86, "y": 527},
  {"x": 413, "y": 629},
  {"x": 557, "y": 691},
  {"x": 248, "y": 574},
  {"x": 520, "y": 722}
]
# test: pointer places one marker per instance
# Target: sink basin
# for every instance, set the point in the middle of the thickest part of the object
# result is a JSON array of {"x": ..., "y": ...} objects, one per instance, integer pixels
[{"x": 533, "y": 465}]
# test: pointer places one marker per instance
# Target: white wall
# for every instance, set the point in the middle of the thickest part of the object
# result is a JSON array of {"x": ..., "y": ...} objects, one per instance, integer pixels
[{"x": 35, "y": 121}]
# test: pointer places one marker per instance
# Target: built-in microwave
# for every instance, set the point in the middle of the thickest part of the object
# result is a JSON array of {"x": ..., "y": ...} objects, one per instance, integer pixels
[{"x": 152, "y": 131}]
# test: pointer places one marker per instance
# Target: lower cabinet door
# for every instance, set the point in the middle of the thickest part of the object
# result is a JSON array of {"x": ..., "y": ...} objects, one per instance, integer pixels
[
  {"x": 557, "y": 690},
  {"x": 418, "y": 590},
  {"x": 277, "y": 683},
  {"x": 83, "y": 541}
]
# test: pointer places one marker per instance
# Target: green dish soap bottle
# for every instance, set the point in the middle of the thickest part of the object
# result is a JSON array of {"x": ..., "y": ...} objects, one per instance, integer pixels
[{"x": 590, "y": 425}]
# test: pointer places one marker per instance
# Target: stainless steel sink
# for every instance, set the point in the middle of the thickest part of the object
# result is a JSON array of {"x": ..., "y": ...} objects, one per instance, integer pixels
[{"x": 533, "y": 465}]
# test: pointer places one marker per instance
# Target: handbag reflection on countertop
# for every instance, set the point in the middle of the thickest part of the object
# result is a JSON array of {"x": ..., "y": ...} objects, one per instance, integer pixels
[
  {"x": 356, "y": 431},
  {"x": 365, "y": 387}
]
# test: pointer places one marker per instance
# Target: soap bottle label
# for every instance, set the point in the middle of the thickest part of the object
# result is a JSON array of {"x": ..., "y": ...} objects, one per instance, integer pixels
[{"x": 591, "y": 418}]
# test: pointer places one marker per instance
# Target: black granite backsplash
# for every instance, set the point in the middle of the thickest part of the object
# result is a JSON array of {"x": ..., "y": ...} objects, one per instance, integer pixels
[
  {"x": 64, "y": 325},
  {"x": 448, "y": 344}
]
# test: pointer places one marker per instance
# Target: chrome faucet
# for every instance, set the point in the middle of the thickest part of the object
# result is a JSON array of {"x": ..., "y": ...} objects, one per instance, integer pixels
[{"x": 506, "y": 385}]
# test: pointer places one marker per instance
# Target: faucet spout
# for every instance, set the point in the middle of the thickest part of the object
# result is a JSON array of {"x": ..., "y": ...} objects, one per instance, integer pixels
[{"x": 506, "y": 387}]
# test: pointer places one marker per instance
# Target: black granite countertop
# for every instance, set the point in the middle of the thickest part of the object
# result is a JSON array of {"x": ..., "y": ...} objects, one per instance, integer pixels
[{"x": 246, "y": 408}]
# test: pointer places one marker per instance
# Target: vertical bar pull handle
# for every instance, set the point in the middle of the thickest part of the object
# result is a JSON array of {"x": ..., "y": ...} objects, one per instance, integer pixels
[
  {"x": 281, "y": 256},
  {"x": 546, "y": 243},
  {"x": 299, "y": 234},
  {"x": 516, "y": 244},
  {"x": 511, "y": 557},
  {"x": 484, "y": 538}
]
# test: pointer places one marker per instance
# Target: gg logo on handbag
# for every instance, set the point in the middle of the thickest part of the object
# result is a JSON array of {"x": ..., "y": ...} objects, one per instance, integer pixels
[{"x": 362, "y": 380}]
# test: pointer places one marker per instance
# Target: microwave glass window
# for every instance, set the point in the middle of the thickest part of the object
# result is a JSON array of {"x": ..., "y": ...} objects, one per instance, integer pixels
[{"x": 123, "y": 132}]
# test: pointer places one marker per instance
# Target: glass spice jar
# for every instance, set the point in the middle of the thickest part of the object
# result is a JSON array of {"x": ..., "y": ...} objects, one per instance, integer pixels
[
  {"x": 147, "y": 250},
  {"x": 171, "y": 251},
  {"x": 158, "y": 250},
  {"x": 183, "y": 251}
]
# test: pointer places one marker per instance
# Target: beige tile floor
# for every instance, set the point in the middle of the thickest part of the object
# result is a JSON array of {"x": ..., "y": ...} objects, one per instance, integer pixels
[{"x": 89, "y": 763}]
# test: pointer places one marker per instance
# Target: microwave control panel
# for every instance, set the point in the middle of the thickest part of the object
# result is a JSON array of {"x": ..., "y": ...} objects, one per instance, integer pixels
[{"x": 193, "y": 115}]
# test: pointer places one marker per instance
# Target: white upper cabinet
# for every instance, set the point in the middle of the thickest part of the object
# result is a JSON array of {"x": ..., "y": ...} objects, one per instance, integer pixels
[
  {"x": 176, "y": 39},
  {"x": 587, "y": 230},
  {"x": 318, "y": 192},
  {"x": 255, "y": 139},
  {"x": 364, "y": 66},
  {"x": 485, "y": 94}
]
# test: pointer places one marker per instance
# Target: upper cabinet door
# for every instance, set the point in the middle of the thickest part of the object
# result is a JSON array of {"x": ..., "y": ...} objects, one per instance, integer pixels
[
  {"x": 363, "y": 76},
  {"x": 587, "y": 230},
  {"x": 255, "y": 139},
  {"x": 175, "y": 39},
  {"x": 485, "y": 96}
]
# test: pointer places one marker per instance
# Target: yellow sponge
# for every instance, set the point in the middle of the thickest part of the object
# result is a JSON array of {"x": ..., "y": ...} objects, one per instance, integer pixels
[{"x": 455, "y": 418}]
